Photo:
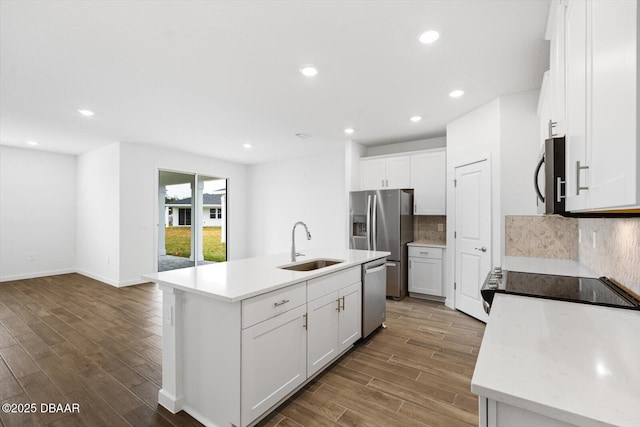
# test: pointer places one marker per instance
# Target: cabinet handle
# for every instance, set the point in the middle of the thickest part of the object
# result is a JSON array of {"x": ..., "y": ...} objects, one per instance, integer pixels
[
  {"x": 386, "y": 182},
  {"x": 342, "y": 303},
  {"x": 382, "y": 183},
  {"x": 284, "y": 301},
  {"x": 552, "y": 125},
  {"x": 306, "y": 322},
  {"x": 338, "y": 308},
  {"x": 559, "y": 195},
  {"x": 578, "y": 169},
  {"x": 424, "y": 253}
]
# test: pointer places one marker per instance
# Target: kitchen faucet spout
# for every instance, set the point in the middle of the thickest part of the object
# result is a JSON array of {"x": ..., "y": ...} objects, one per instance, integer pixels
[{"x": 293, "y": 239}]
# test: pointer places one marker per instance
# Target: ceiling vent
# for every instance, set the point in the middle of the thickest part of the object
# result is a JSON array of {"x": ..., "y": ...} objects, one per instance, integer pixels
[{"x": 303, "y": 135}]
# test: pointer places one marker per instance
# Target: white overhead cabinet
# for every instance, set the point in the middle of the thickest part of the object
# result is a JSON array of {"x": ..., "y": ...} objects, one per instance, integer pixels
[
  {"x": 428, "y": 179},
  {"x": 601, "y": 103},
  {"x": 424, "y": 171},
  {"x": 385, "y": 172}
]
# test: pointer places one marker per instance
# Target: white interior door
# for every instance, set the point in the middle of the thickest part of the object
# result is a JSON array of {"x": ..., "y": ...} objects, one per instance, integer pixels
[{"x": 473, "y": 236}]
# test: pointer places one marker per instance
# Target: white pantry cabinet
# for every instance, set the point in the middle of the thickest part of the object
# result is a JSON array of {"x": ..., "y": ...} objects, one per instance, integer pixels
[
  {"x": 385, "y": 172},
  {"x": 425, "y": 270},
  {"x": 601, "y": 94},
  {"x": 428, "y": 180}
]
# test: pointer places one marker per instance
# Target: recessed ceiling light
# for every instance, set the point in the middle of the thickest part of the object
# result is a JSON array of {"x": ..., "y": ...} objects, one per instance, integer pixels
[
  {"x": 247, "y": 145},
  {"x": 32, "y": 143},
  {"x": 349, "y": 131},
  {"x": 86, "y": 113},
  {"x": 309, "y": 70},
  {"x": 415, "y": 118},
  {"x": 456, "y": 93},
  {"x": 428, "y": 37}
]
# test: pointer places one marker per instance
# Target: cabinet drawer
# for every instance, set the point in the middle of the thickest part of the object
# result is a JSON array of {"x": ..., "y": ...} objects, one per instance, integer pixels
[
  {"x": 263, "y": 307},
  {"x": 324, "y": 285},
  {"x": 425, "y": 252}
]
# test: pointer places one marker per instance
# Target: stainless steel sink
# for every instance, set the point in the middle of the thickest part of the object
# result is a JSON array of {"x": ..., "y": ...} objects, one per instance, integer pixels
[{"x": 313, "y": 264}]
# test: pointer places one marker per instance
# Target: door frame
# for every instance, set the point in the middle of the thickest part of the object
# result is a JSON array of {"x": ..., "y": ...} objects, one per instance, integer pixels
[
  {"x": 453, "y": 263},
  {"x": 194, "y": 216}
]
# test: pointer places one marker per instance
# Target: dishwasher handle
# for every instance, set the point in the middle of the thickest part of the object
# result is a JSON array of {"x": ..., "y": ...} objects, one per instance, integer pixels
[{"x": 375, "y": 269}]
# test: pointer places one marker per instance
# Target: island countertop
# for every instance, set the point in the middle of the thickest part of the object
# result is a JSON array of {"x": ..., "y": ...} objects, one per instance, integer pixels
[
  {"x": 236, "y": 280},
  {"x": 573, "y": 362}
]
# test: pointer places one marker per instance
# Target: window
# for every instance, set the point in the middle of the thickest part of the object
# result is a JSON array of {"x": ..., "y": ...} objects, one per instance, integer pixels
[
  {"x": 184, "y": 217},
  {"x": 215, "y": 213}
]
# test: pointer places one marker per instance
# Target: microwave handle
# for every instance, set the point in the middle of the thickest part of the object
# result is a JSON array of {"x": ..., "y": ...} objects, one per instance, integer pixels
[{"x": 535, "y": 179}]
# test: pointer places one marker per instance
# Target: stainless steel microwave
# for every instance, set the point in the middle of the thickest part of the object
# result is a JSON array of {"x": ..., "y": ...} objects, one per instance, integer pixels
[{"x": 550, "y": 179}]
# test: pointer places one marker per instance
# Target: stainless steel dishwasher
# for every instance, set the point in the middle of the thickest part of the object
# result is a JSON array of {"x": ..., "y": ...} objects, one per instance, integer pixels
[{"x": 374, "y": 295}]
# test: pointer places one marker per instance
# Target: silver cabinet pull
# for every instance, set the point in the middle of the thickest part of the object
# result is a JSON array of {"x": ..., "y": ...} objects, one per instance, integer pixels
[
  {"x": 552, "y": 125},
  {"x": 482, "y": 249},
  {"x": 382, "y": 183},
  {"x": 306, "y": 322},
  {"x": 424, "y": 253},
  {"x": 386, "y": 182},
  {"x": 559, "y": 195},
  {"x": 342, "y": 303},
  {"x": 578, "y": 169},
  {"x": 338, "y": 308},
  {"x": 284, "y": 301}
]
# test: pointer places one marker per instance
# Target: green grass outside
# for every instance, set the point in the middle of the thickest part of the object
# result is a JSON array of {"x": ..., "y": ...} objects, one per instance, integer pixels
[{"x": 178, "y": 243}]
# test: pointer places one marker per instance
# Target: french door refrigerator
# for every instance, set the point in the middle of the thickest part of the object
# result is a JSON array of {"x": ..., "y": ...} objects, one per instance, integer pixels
[{"x": 382, "y": 220}]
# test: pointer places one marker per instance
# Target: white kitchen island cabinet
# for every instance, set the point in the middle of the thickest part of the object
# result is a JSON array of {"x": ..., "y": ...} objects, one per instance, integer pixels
[{"x": 240, "y": 337}]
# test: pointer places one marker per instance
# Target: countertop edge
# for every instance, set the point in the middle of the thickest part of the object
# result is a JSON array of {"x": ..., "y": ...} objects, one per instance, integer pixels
[{"x": 310, "y": 276}]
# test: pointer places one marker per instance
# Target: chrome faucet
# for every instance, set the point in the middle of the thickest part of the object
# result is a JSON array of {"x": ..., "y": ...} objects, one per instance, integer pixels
[{"x": 293, "y": 239}]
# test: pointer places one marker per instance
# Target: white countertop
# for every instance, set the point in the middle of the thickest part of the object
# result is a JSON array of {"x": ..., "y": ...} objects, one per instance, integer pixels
[
  {"x": 237, "y": 280},
  {"x": 427, "y": 245},
  {"x": 578, "y": 363},
  {"x": 562, "y": 267}
]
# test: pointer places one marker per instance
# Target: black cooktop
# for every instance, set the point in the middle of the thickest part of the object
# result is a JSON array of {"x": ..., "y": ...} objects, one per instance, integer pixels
[{"x": 599, "y": 291}]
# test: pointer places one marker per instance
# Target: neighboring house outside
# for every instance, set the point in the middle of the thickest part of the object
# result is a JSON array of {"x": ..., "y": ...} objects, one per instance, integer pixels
[{"x": 178, "y": 212}]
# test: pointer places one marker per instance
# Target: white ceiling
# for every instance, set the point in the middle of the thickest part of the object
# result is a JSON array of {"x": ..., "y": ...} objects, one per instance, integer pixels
[{"x": 208, "y": 76}]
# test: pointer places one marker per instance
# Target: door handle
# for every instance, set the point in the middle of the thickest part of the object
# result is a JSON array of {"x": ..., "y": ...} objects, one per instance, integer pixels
[{"x": 482, "y": 249}]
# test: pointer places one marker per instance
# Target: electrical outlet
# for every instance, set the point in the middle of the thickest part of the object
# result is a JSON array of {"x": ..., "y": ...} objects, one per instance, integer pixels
[
  {"x": 440, "y": 227},
  {"x": 594, "y": 240},
  {"x": 32, "y": 256}
]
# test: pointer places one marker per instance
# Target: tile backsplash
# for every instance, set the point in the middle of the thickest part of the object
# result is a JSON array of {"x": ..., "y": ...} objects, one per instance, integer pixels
[
  {"x": 425, "y": 229},
  {"x": 541, "y": 236},
  {"x": 616, "y": 253}
]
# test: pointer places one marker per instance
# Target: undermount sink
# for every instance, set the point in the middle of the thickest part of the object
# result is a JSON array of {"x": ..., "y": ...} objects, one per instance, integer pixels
[{"x": 311, "y": 265}]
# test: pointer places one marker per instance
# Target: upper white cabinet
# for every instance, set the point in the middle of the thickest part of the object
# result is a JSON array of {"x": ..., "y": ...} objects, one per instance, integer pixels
[
  {"x": 424, "y": 171},
  {"x": 428, "y": 180},
  {"x": 601, "y": 104},
  {"x": 385, "y": 172}
]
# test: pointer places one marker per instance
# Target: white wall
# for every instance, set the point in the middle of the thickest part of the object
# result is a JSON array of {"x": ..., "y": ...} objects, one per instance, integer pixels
[
  {"x": 506, "y": 131},
  {"x": 138, "y": 192},
  {"x": 404, "y": 147},
  {"x": 470, "y": 138},
  {"x": 98, "y": 214},
  {"x": 308, "y": 189},
  {"x": 37, "y": 213}
]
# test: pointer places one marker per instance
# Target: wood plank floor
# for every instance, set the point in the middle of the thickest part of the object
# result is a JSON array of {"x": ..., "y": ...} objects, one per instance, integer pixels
[{"x": 71, "y": 339}]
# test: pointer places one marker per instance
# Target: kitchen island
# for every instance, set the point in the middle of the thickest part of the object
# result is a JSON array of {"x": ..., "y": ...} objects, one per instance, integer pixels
[
  {"x": 241, "y": 336},
  {"x": 558, "y": 364}
]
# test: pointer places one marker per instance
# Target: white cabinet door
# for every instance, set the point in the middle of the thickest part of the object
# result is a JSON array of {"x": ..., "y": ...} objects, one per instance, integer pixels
[
  {"x": 576, "y": 103},
  {"x": 428, "y": 180},
  {"x": 398, "y": 172},
  {"x": 372, "y": 174},
  {"x": 350, "y": 322},
  {"x": 322, "y": 343},
  {"x": 557, "y": 68},
  {"x": 425, "y": 276},
  {"x": 274, "y": 362},
  {"x": 612, "y": 149}
]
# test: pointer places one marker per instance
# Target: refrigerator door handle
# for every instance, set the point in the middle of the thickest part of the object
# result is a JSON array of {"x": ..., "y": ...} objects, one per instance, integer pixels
[
  {"x": 369, "y": 222},
  {"x": 375, "y": 222}
]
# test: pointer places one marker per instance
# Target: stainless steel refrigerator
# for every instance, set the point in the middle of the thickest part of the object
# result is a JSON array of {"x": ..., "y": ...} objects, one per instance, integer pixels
[{"x": 382, "y": 220}]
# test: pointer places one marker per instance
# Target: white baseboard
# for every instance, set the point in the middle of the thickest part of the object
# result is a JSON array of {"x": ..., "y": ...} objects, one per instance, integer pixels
[
  {"x": 99, "y": 278},
  {"x": 36, "y": 274},
  {"x": 170, "y": 402}
]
